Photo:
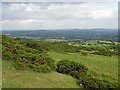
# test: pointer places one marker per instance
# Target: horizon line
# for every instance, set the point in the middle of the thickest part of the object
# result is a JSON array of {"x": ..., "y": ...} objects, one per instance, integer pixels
[{"x": 58, "y": 29}]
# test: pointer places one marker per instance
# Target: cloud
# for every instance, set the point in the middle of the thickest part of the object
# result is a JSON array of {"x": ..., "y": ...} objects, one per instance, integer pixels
[
  {"x": 59, "y": 15},
  {"x": 56, "y": 11},
  {"x": 60, "y": 0},
  {"x": 27, "y": 21}
]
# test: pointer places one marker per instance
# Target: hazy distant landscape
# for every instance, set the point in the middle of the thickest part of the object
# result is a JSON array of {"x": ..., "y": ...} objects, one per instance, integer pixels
[{"x": 83, "y": 34}]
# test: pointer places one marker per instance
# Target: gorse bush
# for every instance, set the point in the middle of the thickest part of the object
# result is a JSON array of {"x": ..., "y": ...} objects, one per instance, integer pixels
[
  {"x": 84, "y": 53},
  {"x": 27, "y": 54},
  {"x": 90, "y": 82},
  {"x": 72, "y": 68},
  {"x": 105, "y": 53},
  {"x": 42, "y": 68}
]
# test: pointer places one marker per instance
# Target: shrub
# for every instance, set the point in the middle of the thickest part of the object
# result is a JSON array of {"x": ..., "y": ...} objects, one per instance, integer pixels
[
  {"x": 7, "y": 55},
  {"x": 50, "y": 62},
  {"x": 84, "y": 53},
  {"x": 72, "y": 68},
  {"x": 27, "y": 54},
  {"x": 42, "y": 68},
  {"x": 105, "y": 53},
  {"x": 89, "y": 82},
  {"x": 39, "y": 64},
  {"x": 19, "y": 65}
]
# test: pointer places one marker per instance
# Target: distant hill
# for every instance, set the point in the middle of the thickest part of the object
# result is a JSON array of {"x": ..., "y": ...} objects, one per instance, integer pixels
[{"x": 85, "y": 34}]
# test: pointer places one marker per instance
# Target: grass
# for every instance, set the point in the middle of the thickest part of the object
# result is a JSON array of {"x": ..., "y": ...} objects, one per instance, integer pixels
[
  {"x": 92, "y": 42},
  {"x": 0, "y": 72},
  {"x": 102, "y": 67},
  {"x": 13, "y": 78}
]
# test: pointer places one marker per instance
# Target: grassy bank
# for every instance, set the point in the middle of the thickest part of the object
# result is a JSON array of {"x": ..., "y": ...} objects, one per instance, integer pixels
[
  {"x": 13, "y": 78},
  {"x": 102, "y": 67}
]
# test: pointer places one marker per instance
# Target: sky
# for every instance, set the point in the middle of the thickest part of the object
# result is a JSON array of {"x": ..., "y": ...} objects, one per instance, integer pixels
[{"x": 58, "y": 15}]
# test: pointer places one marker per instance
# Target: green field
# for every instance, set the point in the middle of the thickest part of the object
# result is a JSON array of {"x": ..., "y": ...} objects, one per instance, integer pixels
[
  {"x": 102, "y": 67},
  {"x": 13, "y": 78}
]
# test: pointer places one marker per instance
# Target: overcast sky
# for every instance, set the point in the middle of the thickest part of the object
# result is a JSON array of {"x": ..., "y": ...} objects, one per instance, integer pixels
[{"x": 27, "y": 16}]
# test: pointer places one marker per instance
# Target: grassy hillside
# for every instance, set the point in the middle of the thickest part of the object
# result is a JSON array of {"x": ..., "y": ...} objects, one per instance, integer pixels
[
  {"x": 13, "y": 78},
  {"x": 102, "y": 67},
  {"x": 34, "y": 64}
]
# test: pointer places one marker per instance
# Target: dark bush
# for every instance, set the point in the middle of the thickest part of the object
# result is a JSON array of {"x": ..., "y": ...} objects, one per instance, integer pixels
[
  {"x": 84, "y": 53},
  {"x": 27, "y": 54},
  {"x": 42, "y": 68},
  {"x": 7, "y": 55},
  {"x": 72, "y": 68},
  {"x": 50, "y": 62},
  {"x": 36, "y": 63},
  {"x": 105, "y": 53},
  {"x": 90, "y": 82},
  {"x": 19, "y": 65}
]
